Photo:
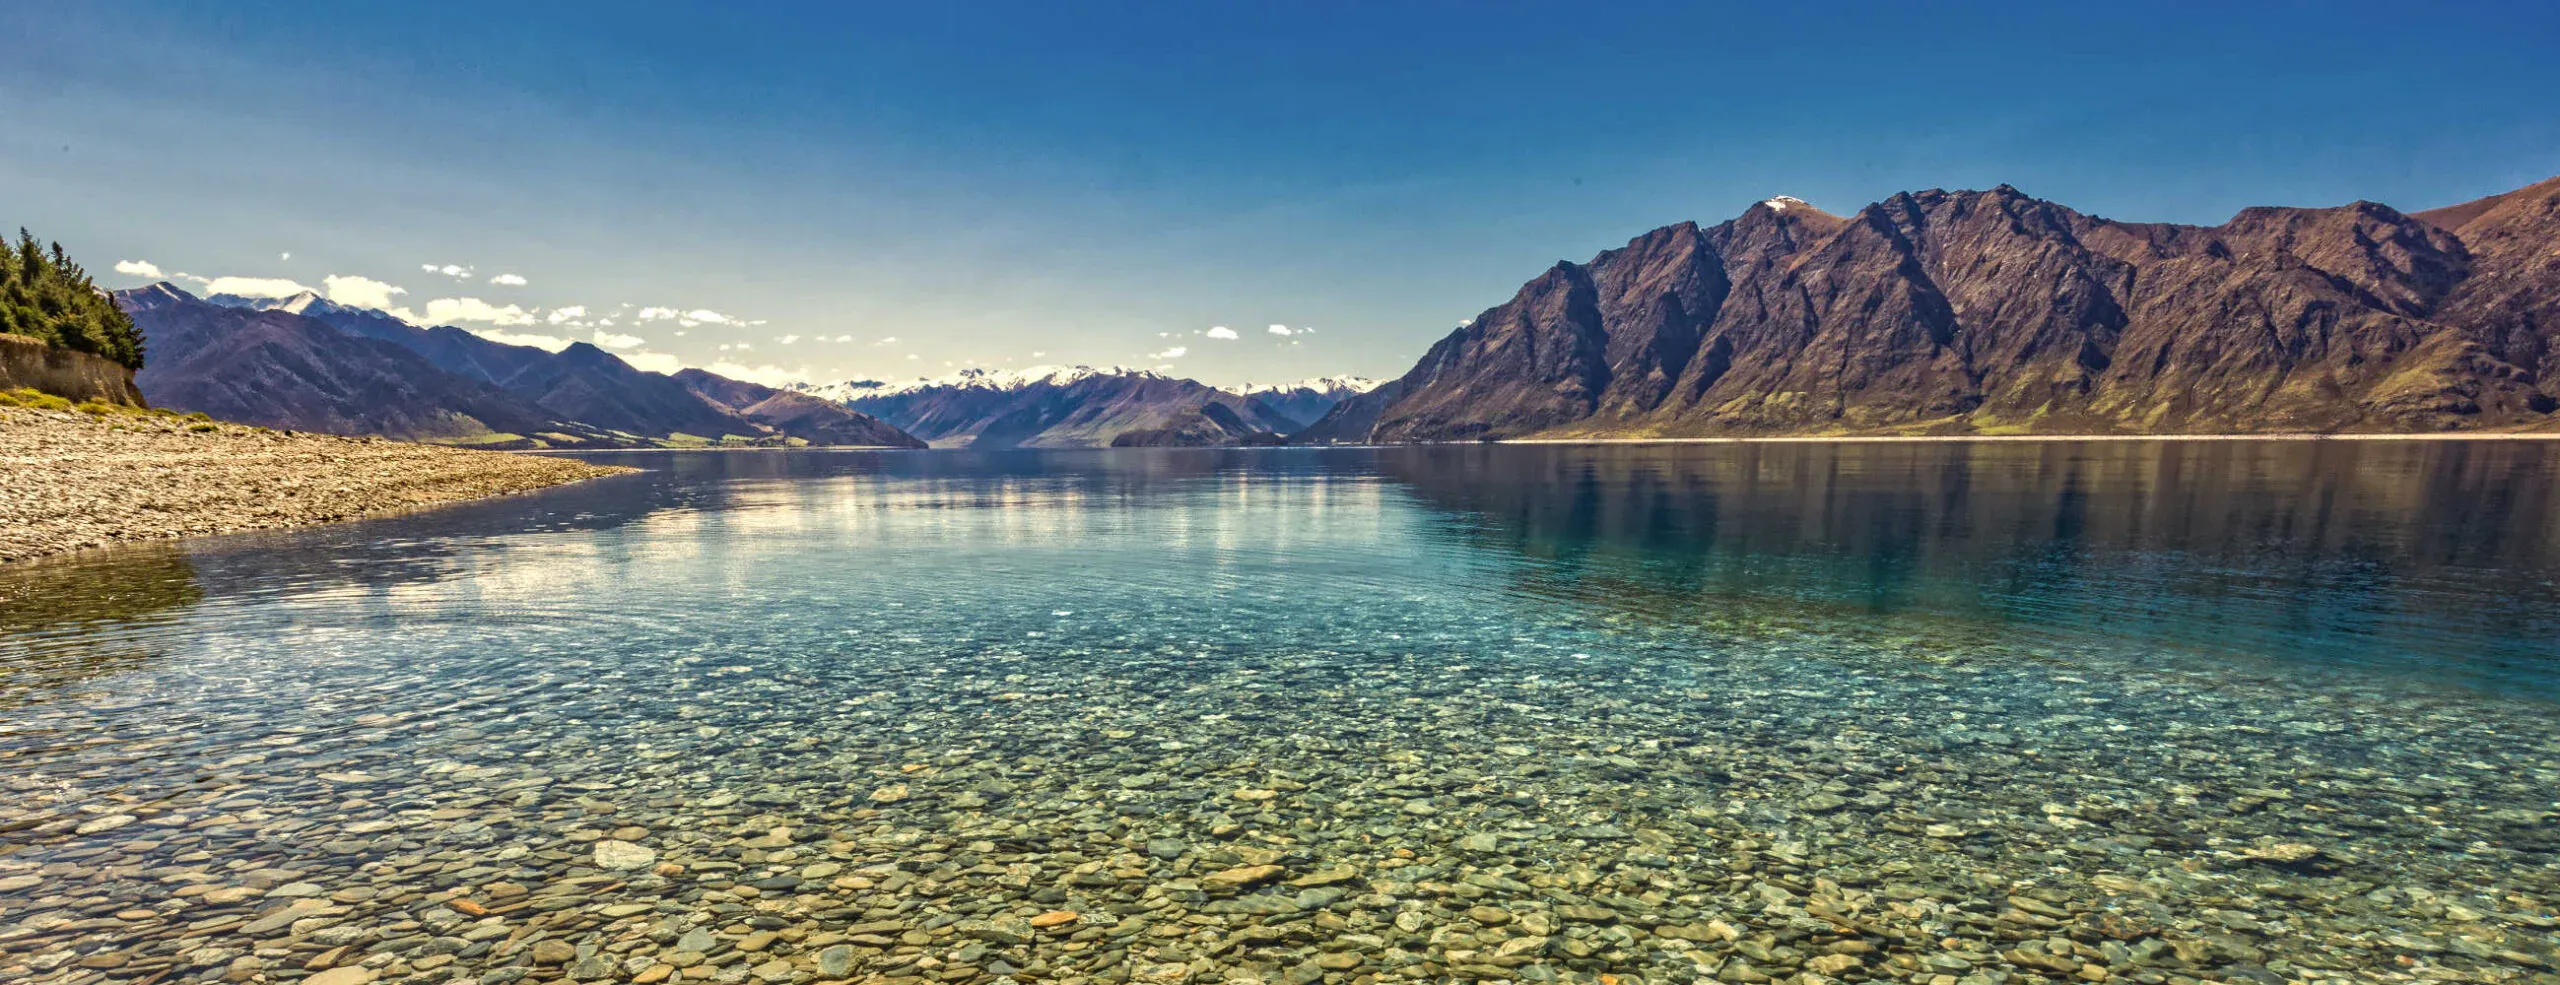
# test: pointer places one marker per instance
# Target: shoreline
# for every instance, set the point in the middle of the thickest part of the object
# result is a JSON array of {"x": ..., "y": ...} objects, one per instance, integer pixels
[
  {"x": 77, "y": 481},
  {"x": 1939, "y": 438},
  {"x": 618, "y": 451}
]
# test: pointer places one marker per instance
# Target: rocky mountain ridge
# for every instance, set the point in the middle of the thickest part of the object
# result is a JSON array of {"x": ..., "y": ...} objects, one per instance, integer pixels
[{"x": 1993, "y": 312}]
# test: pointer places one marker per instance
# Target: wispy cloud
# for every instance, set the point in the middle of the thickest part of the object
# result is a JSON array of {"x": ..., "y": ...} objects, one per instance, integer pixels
[
  {"x": 652, "y": 362},
  {"x": 1176, "y": 352},
  {"x": 507, "y": 280},
  {"x": 569, "y": 314},
  {"x": 362, "y": 292},
  {"x": 767, "y": 375},
  {"x": 443, "y": 310},
  {"x": 254, "y": 287},
  {"x": 138, "y": 268},
  {"x": 546, "y": 343},
  {"x": 610, "y": 340},
  {"x": 453, "y": 270}
]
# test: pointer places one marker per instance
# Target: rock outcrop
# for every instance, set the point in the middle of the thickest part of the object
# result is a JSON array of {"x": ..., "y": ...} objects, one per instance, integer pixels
[{"x": 66, "y": 373}]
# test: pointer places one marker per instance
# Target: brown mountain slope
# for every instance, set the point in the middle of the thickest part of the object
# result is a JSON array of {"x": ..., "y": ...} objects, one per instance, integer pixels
[{"x": 1994, "y": 312}]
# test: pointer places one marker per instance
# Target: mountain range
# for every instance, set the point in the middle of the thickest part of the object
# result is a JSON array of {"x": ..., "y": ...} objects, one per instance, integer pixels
[
  {"x": 1991, "y": 312},
  {"x": 1930, "y": 312},
  {"x": 1077, "y": 407},
  {"x": 306, "y": 363}
]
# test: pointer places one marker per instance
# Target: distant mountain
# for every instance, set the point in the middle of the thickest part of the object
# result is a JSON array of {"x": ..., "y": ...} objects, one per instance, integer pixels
[
  {"x": 454, "y": 350},
  {"x": 282, "y": 370},
  {"x": 307, "y": 363},
  {"x": 1350, "y": 421},
  {"x": 816, "y": 419},
  {"x": 1993, "y": 312},
  {"x": 967, "y": 379},
  {"x": 1050, "y": 407},
  {"x": 1213, "y": 425},
  {"x": 1306, "y": 401}
]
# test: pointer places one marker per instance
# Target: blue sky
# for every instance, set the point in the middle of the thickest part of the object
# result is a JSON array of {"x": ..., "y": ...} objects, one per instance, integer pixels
[{"x": 1005, "y": 184}]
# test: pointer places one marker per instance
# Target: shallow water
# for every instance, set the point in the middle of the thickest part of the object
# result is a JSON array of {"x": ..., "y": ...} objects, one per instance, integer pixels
[{"x": 1915, "y": 712}]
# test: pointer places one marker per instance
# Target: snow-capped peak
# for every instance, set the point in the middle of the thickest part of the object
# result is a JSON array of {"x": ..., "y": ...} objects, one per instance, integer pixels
[
  {"x": 1785, "y": 202},
  {"x": 974, "y": 378},
  {"x": 1320, "y": 384},
  {"x": 294, "y": 304}
]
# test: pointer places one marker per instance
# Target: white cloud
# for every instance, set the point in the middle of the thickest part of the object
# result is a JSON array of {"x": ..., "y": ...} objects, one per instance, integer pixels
[
  {"x": 655, "y": 314},
  {"x": 284, "y": 256},
  {"x": 507, "y": 280},
  {"x": 652, "y": 362},
  {"x": 443, "y": 310},
  {"x": 254, "y": 287},
  {"x": 767, "y": 375},
  {"x": 546, "y": 343},
  {"x": 1281, "y": 330},
  {"x": 1176, "y": 352},
  {"x": 453, "y": 270},
  {"x": 138, "y": 268},
  {"x": 1222, "y": 332},
  {"x": 891, "y": 340},
  {"x": 569, "y": 313},
  {"x": 709, "y": 317},
  {"x": 735, "y": 346},
  {"x": 611, "y": 341},
  {"x": 842, "y": 338},
  {"x": 786, "y": 339},
  {"x": 363, "y": 292}
]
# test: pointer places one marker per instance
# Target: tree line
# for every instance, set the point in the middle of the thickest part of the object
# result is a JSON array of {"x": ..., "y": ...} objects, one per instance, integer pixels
[{"x": 44, "y": 295}]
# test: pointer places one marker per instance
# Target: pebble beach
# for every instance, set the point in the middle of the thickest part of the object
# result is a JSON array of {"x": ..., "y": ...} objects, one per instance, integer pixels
[{"x": 77, "y": 480}]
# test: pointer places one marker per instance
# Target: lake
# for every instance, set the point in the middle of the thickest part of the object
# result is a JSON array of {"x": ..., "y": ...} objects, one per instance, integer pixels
[{"x": 1929, "y": 712}]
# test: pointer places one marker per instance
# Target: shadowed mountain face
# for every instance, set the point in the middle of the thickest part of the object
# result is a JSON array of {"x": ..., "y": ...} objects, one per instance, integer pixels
[
  {"x": 282, "y": 370},
  {"x": 1351, "y": 421},
  {"x": 1083, "y": 412},
  {"x": 1212, "y": 426},
  {"x": 1993, "y": 312}
]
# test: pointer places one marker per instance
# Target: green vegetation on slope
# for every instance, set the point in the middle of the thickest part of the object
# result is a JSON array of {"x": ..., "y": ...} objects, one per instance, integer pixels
[{"x": 45, "y": 296}]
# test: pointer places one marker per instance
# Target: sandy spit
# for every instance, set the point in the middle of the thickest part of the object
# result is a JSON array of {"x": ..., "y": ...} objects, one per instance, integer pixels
[{"x": 71, "y": 481}]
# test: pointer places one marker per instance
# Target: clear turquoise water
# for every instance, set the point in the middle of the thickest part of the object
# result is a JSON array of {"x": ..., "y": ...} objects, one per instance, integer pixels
[{"x": 2017, "y": 668}]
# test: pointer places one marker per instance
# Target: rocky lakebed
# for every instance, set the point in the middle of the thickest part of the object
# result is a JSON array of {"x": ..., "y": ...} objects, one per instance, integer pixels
[{"x": 705, "y": 746}]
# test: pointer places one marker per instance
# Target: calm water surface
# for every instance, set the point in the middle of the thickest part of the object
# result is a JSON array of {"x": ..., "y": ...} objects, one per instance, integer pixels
[{"x": 1943, "y": 713}]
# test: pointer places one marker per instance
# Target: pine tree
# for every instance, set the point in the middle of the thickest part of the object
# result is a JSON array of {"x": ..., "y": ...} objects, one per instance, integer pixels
[{"x": 46, "y": 296}]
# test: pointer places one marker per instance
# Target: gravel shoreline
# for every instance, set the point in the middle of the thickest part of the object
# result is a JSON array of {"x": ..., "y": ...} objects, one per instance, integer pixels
[{"x": 74, "y": 480}]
